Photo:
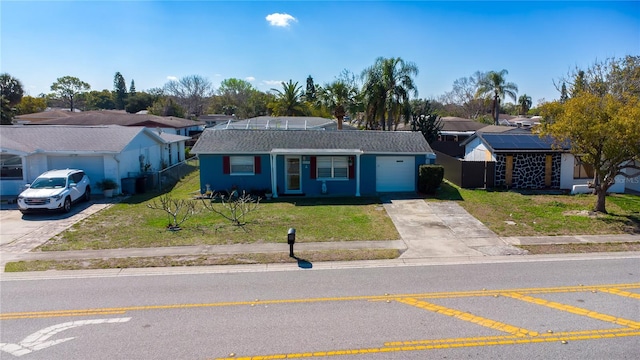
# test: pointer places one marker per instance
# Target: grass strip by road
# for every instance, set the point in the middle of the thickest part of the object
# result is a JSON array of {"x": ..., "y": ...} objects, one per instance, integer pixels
[
  {"x": 580, "y": 248},
  {"x": 305, "y": 258}
]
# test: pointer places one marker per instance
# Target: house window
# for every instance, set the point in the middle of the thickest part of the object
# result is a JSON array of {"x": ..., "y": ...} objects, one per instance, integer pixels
[
  {"x": 332, "y": 167},
  {"x": 11, "y": 167},
  {"x": 241, "y": 165},
  {"x": 581, "y": 170}
]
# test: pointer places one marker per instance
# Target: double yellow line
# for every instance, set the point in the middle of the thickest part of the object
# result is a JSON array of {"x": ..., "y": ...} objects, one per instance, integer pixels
[{"x": 616, "y": 289}]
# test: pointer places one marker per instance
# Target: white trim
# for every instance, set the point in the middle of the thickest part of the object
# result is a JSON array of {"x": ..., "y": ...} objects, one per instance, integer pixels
[
  {"x": 357, "y": 167},
  {"x": 313, "y": 152},
  {"x": 286, "y": 175},
  {"x": 274, "y": 175}
]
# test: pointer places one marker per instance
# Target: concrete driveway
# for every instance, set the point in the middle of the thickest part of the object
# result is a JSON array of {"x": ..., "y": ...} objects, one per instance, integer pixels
[{"x": 21, "y": 233}]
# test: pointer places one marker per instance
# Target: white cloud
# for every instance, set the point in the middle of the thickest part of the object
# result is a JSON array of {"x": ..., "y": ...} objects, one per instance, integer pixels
[
  {"x": 280, "y": 20},
  {"x": 172, "y": 78},
  {"x": 250, "y": 78},
  {"x": 272, "y": 82}
]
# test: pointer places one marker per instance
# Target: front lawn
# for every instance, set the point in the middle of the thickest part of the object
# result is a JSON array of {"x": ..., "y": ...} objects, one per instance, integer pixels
[
  {"x": 508, "y": 213},
  {"x": 512, "y": 213},
  {"x": 132, "y": 224}
]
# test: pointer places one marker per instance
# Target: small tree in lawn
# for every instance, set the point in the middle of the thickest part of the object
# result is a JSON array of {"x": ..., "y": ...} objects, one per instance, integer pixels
[
  {"x": 233, "y": 207},
  {"x": 179, "y": 210}
]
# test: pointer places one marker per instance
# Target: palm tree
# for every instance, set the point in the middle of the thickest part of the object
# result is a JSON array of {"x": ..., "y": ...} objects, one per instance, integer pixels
[
  {"x": 524, "y": 101},
  {"x": 337, "y": 97},
  {"x": 387, "y": 86},
  {"x": 289, "y": 101},
  {"x": 494, "y": 83}
]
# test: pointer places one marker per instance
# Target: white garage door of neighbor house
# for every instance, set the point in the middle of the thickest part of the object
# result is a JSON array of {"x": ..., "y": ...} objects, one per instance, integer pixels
[
  {"x": 395, "y": 174},
  {"x": 93, "y": 166}
]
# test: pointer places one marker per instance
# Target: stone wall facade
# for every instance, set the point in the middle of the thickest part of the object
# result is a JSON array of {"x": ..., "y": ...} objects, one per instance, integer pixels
[{"x": 528, "y": 170}]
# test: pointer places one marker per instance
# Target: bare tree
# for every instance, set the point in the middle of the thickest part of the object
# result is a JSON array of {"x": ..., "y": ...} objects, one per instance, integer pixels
[
  {"x": 179, "y": 210},
  {"x": 191, "y": 92},
  {"x": 233, "y": 207},
  {"x": 463, "y": 96}
]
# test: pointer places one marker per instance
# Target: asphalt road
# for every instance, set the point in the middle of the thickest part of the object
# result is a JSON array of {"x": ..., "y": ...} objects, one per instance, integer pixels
[{"x": 486, "y": 311}]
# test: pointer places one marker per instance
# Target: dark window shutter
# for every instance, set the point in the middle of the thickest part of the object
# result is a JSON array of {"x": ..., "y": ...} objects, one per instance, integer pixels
[
  {"x": 256, "y": 165},
  {"x": 313, "y": 168},
  {"x": 352, "y": 167},
  {"x": 226, "y": 165}
]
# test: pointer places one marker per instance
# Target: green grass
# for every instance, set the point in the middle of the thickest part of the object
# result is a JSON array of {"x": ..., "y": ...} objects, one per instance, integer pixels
[
  {"x": 545, "y": 214},
  {"x": 132, "y": 224},
  {"x": 304, "y": 259}
]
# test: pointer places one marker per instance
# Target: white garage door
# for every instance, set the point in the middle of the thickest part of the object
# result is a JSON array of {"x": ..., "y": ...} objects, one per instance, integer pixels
[
  {"x": 395, "y": 173},
  {"x": 93, "y": 166}
]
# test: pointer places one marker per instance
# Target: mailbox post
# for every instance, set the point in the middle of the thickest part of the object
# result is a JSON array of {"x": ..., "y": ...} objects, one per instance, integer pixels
[{"x": 291, "y": 239}]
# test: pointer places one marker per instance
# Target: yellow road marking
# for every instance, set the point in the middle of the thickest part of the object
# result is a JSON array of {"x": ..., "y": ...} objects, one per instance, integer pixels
[
  {"x": 438, "y": 295},
  {"x": 452, "y": 343},
  {"x": 621, "y": 293},
  {"x": 467, "y": 317},
  {"x": 574, "y": 310}
]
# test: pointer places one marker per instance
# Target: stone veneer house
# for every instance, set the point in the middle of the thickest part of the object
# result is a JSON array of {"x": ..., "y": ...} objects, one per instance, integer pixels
[{"x": 525, "y": 161}]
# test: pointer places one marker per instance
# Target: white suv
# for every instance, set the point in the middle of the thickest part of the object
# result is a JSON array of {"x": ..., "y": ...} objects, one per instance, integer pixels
[{"x": 55, "y": 190}]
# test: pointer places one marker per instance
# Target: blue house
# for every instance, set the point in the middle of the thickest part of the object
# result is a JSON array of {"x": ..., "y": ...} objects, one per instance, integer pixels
[{"x": 312, "y": 162}]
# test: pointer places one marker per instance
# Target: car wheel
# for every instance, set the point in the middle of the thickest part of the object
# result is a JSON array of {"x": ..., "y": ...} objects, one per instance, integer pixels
[
  {"x": 87, "y": 194},
  {"x": 67, "y": 205}
]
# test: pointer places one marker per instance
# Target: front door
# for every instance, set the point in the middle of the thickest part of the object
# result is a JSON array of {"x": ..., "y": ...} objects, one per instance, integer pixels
[{"x": 292, "y": 177}]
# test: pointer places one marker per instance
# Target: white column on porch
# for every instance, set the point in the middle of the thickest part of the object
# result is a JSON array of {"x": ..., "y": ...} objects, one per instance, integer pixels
[
  {"x": 274, "y": 175},
  {"x": 357, "y": 165}
]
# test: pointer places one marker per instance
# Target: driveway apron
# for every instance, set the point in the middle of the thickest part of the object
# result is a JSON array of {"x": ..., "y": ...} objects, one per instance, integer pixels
[{"x": 441, "y": 229}]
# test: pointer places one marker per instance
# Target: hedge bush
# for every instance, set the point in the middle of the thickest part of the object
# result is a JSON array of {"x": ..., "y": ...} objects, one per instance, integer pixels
[{"x": 429, "y": 178}]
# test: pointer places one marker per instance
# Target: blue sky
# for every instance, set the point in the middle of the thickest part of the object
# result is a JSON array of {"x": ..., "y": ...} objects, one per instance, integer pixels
[{"x": 154, "y": 41}]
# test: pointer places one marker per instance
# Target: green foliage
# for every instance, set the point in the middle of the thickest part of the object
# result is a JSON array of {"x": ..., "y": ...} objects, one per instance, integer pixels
[
  {"x": 425, "y": 120},
  {"x": 66, "y": 89},
  {"x": 107, "y": 184},
  {"x": 288, "y": 102},
  {"x": 337, "y": 97},
  {"x": 30, "y": 105},
  {"x": 388, "y": 85},
  {"x": 11, "y": 92},
  {"x": 310, "y": 94},
  {"x": 99, "y": 100},
  {"x": 167, "y": 107},
  {"x": 234, "y": 97},
  {"x": 524, "y": 102},
  {"x": 494, "y": 84},
  {"x": 119, "y": 91},
  {"x": 429, "y": 178},
  {"x": 600, "y": 121},
  {"x": 139, "y": 101}
]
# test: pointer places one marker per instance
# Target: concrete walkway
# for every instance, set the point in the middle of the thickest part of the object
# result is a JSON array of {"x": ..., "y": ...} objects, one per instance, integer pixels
[{"x": 428, "y": 230}]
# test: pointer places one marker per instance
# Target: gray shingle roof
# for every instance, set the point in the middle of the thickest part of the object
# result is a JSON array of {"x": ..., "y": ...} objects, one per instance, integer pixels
[
  {"x": 263, "y": 141},
  {"x": 52, "y": 138},
  {"x": 460, "y": 124}
]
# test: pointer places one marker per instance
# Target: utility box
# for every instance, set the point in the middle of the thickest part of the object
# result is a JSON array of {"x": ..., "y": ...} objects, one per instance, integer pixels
[{"x": 128, "y": 185}]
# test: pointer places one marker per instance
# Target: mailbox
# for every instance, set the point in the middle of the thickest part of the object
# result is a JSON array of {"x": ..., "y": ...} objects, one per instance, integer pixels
[
  {"x": 291, "y": 239},
  {"x": 291, "y": 236}
]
